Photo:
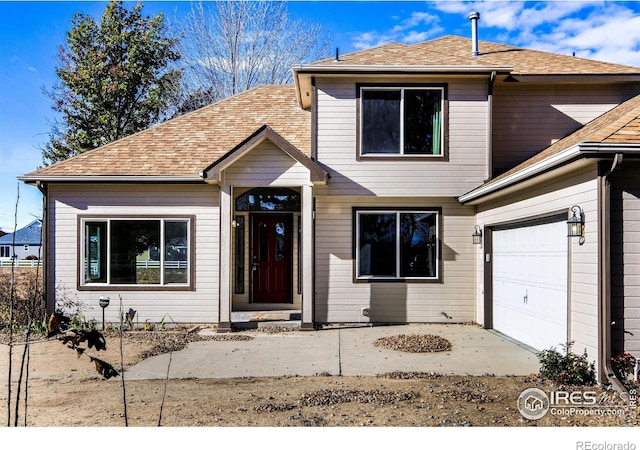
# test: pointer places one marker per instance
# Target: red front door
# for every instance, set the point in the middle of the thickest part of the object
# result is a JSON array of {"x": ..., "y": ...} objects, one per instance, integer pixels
[{"x": 271, "y": 258}]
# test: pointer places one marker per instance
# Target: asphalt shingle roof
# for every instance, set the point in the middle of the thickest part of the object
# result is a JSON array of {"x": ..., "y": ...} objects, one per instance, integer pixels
[
  {"x": 188, "y": 144},
  {"x": 184, "y": 146},
  {"x": 456, "y": 51},
  {"x": 30, "y": 235}
]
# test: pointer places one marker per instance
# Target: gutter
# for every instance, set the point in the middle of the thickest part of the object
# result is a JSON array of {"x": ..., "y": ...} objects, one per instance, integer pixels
[
  {"x": 604, "y": 275},
  {"x": 552, "y": 162},
  {"x": 490, "y": 83},
  {"x": 35, "y": 179},
  {"x": 338, "y": 68}
]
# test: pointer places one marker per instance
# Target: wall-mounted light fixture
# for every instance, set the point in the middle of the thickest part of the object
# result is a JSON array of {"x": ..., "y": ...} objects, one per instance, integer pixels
[
  {"x": 575, "y": 225},
  {"x": 477, "y": 235}
]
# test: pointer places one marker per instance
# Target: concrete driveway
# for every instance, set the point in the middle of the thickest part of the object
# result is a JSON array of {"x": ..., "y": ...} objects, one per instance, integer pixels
[{"x": 341, "y": 350}]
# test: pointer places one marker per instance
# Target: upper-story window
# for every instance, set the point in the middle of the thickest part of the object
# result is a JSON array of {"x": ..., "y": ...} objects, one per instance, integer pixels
[{"x": 403, "y": 121}]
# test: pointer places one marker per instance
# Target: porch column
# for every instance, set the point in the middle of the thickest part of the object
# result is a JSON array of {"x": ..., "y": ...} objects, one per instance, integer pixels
[
  {"x": 224, "y": 321},
  {"x": 307, "y": 258}
]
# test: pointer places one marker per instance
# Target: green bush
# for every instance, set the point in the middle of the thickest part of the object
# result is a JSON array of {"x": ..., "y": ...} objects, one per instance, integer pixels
[{"x": 568, "y": 368}]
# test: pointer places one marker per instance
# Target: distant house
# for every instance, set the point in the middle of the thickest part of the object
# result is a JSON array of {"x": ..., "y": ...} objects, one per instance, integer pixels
[
  {"x": 432, "y": 182},
  {"x": 25, "y": 244}
]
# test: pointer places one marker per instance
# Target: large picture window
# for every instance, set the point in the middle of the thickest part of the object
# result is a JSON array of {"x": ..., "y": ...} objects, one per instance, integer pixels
[
  {"x": 401, "y": 121},
  {"x": 397, "y": 244},
  {"x": 136, "y": 251}
]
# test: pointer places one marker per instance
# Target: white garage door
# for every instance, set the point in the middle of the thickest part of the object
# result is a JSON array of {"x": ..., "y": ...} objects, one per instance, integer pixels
[{"x": 530, "y": 284}]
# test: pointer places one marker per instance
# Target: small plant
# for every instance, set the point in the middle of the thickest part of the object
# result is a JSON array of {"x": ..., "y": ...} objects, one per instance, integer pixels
[
  {"x": 568, "y": 368},
  {"x": 623, "y": 367},
  {"x": 68, "y": 305}
]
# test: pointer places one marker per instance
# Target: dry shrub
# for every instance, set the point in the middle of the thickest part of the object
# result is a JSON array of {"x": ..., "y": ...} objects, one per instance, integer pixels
[{"x": 28, "y": 301}]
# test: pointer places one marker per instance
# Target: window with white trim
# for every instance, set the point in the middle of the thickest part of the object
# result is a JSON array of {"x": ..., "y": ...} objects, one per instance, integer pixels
[
  {"x": 397, "y": 244},
  {"x": 402, "y": 121},
  {"x": 5, "y": 251},
  {"x": 136, "y": 251}
]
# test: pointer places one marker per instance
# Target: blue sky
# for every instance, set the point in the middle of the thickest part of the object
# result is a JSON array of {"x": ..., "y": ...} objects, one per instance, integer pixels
[{"x": 31, "y": 32}]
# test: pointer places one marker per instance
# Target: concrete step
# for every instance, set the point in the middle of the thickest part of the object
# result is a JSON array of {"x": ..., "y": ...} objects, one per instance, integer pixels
[
  {"x": 265, "y": 316},
  {"x": 275, "y": 323}
]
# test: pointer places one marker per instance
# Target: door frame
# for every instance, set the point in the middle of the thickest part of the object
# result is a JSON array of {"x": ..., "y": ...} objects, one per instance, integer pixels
[{"x": 290, "y": 255}]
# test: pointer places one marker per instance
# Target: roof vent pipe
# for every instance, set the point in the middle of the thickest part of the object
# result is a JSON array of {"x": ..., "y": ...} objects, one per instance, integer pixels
[{"x": 474, "y": 17}]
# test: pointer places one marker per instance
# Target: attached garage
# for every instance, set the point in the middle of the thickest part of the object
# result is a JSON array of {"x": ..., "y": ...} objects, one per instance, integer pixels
[{"x": 529, "y": 282}]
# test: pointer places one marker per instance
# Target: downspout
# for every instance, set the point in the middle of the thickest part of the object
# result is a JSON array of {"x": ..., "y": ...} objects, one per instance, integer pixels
[
  {"x": 44, "y": 231},
  {"x": 492, "y": 80},
  {"x": 604, "y": 272}
]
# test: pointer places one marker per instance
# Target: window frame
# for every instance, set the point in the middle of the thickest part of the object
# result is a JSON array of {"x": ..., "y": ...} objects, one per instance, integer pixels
[
  {"x": 4, "y": 248},
  {"x": 444, "y": 128},
  {"x": 358, "y": 211},
  {"x": 82, "y": 285}
]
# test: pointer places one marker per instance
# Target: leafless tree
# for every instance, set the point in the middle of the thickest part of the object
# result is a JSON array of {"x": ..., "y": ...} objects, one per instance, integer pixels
[{"x": 230, "y": 46}]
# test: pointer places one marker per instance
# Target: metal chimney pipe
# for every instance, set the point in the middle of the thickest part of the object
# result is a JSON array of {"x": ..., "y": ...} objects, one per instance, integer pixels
[{"x": 474, "y": 17}]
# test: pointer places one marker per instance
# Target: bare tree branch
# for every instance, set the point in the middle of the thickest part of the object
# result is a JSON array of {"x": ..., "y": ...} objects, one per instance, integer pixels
[{"x": 235, "y": 45}]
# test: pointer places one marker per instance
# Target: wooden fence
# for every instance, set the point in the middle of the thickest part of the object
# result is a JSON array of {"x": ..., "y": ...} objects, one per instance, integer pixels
[{"x": 33, "y": 263}]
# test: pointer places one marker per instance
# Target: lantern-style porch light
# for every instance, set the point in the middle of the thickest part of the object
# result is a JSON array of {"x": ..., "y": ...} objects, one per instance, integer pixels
[
  {"x": 575, "y": 225},
  {"x": 477, "y": 235}
]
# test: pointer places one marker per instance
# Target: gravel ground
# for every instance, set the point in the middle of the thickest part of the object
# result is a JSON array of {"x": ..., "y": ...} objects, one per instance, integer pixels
[{"x": 66, "y": 390}]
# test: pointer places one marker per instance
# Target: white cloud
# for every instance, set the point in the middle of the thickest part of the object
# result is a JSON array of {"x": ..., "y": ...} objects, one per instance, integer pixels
[
  {"x": 415, "y": 36},
  {"x": 607, "y": 31},
  {"x": 417, "y": 18},
  {"x": 418, "y": 27}
]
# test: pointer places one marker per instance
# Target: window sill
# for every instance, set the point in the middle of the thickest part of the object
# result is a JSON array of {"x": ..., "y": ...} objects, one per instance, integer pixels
[
  {"x": 134, "y": 287},
  {"x": 397, "y": 280},
  {"x": 392, "y": 157}
]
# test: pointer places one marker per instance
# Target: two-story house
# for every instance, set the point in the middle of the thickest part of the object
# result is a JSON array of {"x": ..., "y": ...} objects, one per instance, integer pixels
[{"x": 353, "y": 195}]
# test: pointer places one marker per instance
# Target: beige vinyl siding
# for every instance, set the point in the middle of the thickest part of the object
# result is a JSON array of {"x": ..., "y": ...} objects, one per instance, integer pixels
[
  {"x": 266, "y": 165},
  {"x": 625, "y": 260},
  {"x": 339, "y": 299},
  {"x": 550, "y": 198},
  {"x": 198, "y": 201},
  {"x": 464, "y": 165},
  {"x": 529, "y": 118}
]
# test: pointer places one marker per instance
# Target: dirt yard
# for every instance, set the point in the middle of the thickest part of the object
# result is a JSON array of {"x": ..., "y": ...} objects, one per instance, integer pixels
[{"x": 66, "y": 390}]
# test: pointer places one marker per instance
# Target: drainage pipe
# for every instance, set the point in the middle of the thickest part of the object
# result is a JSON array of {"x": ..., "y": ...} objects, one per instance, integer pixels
[
  {"x": 604, "y": 275},
  {"x": 44, "y": 231}
]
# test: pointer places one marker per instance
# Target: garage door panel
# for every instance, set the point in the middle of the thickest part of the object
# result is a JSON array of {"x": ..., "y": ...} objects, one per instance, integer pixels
[{"x": 530, "y": 284}]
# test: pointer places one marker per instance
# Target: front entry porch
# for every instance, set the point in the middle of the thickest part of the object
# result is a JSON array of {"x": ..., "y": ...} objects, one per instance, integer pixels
[{"x": 266, "y": 187}]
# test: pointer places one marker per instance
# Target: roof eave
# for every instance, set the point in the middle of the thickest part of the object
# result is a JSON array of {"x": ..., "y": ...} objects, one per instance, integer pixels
[
  {"x": 303, "y": 74},
  {"x": 521, "y": 175},
  {"x": 585, "y": 149},
  {"x": 32, "y": 179}
]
